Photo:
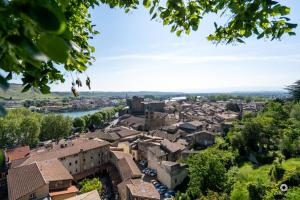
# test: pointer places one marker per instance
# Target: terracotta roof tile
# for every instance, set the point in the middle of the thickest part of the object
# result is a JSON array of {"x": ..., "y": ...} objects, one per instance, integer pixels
[
  {"x": 171, "y": 146},
  {"x": 24, "y": 180},
  {"x": 71, "y": 189},
  {"x": 141, "y": 189},
  {"x": 93, "y": 195},
  {"x": 85, "y": 145},
  {"x": 53, "y": 170},
  {"x": 17, "y": 153}
]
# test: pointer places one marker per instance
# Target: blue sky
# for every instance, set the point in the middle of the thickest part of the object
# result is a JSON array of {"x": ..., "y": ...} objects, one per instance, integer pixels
[{"x": 134, "y": 53}]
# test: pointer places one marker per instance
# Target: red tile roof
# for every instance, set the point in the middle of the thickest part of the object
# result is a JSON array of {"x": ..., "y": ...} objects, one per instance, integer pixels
[
  {"x": 24, "y": 180},
  {"x": 71, "y": 189},
  {"x": 17, "y": 153},
  {"x": 53, "y": 170},
  {"x": 144, "y": 190},
  {"x": 79, "y": 145}
]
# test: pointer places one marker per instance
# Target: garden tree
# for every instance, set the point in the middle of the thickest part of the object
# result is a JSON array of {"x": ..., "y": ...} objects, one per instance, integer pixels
[
  {"x": 276, "y": 171},
  {"x": 290, "y": 142},
  {"x": 55, "y": 127},
  {"x": 88, "y": 185},
  {"x": 295, "y": 112},
  {"x": 251, "y": 135},
  {"x": 37, "y": 37},
  {"x": 269, "y": 135},
  {"x": 294, "y": 90},
  {"x": 207, "y": 171},
  {"x": 19, "y": 126},
  {"x": 79, "y": 124},
  {"x": 276, "y": 110},
  {"x": 30, "y": 129},
  {"x": 256, "y": 190},
  {"x": 97, "y": 119},
  {"x": 265, "y": 131}
]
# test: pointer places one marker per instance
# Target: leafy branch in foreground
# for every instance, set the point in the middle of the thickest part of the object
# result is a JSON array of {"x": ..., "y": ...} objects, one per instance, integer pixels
[
  {"x": 294, "y": 90},
  {"x": 263, "y": 18},
  {"x": 41, "y": 39}
]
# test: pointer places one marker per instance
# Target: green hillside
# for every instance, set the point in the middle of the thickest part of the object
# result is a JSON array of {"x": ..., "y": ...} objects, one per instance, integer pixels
[
  {"x": 247, "y": 174},
  {"x": 14, "y": 92}
]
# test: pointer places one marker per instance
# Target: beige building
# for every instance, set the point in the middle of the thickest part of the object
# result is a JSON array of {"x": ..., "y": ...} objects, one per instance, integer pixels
[
  {"x": 171, "y": 174},
  {"x": 50, "y": 172},
  {"x": 202, "y": 138},
  {"x": 125, "y": 165},
  {"x": 81, "y": 157}
]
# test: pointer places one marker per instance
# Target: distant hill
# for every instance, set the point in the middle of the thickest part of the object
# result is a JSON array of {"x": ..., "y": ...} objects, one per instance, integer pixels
[{"x": 14, "y": 92}]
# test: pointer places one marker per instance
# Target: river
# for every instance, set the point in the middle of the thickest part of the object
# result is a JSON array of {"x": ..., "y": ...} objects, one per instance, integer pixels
[{"x": 75, "y": 114}]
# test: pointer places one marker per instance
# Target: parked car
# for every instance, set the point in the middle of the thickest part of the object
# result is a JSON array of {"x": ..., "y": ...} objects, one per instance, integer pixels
[
  {"x": 152, "y": 174},
  {"x": 143, "y": 163},
  {"x": 162, "y": 191},
  {"x": 163, "y": 187},
  {"x": 157, "y": 185}
]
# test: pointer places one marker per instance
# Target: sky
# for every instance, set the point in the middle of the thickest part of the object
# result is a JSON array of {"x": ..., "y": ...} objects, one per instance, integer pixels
[{"x": 134, "y": 53}]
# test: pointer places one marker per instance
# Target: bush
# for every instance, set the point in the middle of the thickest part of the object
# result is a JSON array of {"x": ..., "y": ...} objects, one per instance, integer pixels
[
  {"x": 256, "y": 190},
  {"x": 88, "y": 185},
  {"x": 276, "y": 171},
  {"x": 293, "y": 194}
]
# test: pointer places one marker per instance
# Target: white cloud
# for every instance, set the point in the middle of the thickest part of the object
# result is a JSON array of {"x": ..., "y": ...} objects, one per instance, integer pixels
[{"x": 191, "y": 59}]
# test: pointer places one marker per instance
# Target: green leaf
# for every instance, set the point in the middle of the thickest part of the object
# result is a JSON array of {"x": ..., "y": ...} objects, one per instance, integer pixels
[
  {"x": 261, "y": 36},
  {"x": 152, "y": 9},
  {"x": 187, "y": 31},
  {"x": 240, "y": 40},
  {"x": 3, "y": 83},
  {"x": 45, "y": 89},
  {"x": 292, "y": 33},
  {"x": 48, "y": 17},
  {"x": 178, "y": 33},
  {"x": 290, "y": 25},
  {"x": 215, "y": 24},
  {"x": 64, "y": 3},
  {"x": 147, "y": 3},
  {"x": 154, "y": 16},
  {"x": 26, "y": 88},
  {"x": 54, "y": 47},
  {"x": 285, "y": 10},
  {"x": 9, "y": 76}
]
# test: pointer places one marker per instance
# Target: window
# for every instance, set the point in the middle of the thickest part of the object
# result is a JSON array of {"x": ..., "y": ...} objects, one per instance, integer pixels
[
  {"x": 32, "y": 196},
  {"x": 76, "y": 162},
  {"x": 99, "y": 154},
  {"x": 70, "y": 164},
  {"x": 91, "y": 157},
  {"x": 76, "y": 170},
  {"x": 84, "y": 160}
]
